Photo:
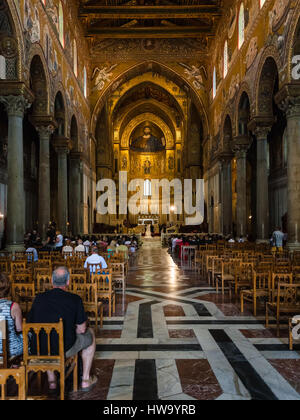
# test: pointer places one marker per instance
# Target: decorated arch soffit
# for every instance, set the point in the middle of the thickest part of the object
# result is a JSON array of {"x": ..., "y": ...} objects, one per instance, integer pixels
[
  {"x": 36, "y": 50},
  {"x": 157, "y": 73},
  {"x": 228, "y": 112},
  {"x": 291, "y": 38},
  {"x": 151, "y": 106},
  {"x": 139, "y": 119},
  {"x": 243, "y": 89},
  {"x": 269, "y": 52},
  {"x": 14, "y": 11}
]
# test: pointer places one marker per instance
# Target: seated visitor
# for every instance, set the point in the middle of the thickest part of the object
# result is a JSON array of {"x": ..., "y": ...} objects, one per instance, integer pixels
[
  {"x": 278, "y": 238},
  {"x": 57, "y": 303},
  {"x": 80, "y": 247},
  {"x": 122, "y": 248},
  {"x": 95, "y": 258},
  {"x": 59, "y": 242},
  {"x": 11, "y": 312},
  {"x": 31, "y": 250},
  {"x": 68, "y": 248},
  {"x": 87, "y": 245}
]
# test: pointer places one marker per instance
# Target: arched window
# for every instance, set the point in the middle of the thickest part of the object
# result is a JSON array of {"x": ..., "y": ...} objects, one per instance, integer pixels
[
  {"x": 225, "y": 59},
  {"x": 2, "y": 67},
  {"x": 262, "y": 2},
  {"x": 241, "y": 25},
  {"x": 61, "y": 24},
  {"x": 147, "y": 188},
  {"x": 85, "y": 82},
  {"x": 214, "y": 83},
  {"x": 75, "y": 58}
]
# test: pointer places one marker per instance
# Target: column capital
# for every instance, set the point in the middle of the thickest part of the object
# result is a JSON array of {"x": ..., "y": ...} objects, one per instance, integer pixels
[
  {"x": 261, "y": 127},
  {"x": 288, "y": 100},
  {"x": 240, "y": 146},
  {"x": 44, "y": 125},
  {"x": 62, "y": 145},
  {"x": 15, "y": 105}
]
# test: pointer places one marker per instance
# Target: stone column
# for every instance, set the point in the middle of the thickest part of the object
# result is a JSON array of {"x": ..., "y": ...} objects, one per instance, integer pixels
[
  {"x": 240, "y": 148},
  {"x": 226, "y": 194},
  {"x": 62, "y": 147},
  {"x": 15, "y": 107},
  {"x": 289, "y": 101},
  {"x": 261, "y": 132},
  {"x": 75, "y": 193},
  {"x": 45, "y": 133}
]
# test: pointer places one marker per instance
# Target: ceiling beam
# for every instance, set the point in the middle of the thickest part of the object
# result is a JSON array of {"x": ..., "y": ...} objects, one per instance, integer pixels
[
  {"x": 149, "y": 12},
  {"x": 150, "y": 32}
]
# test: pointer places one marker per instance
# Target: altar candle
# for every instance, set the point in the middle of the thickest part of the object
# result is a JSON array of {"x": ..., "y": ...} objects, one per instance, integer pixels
[
  {"x": 296, "y": 232},
  {"x": 263, "y": 231}
]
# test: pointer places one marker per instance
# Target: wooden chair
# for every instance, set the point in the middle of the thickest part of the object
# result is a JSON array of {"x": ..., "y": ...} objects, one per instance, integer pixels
[
  {"x": 23, "y": 294},
  {"x": 43, "y": 283},
  {"x": 276, "y": 279},
  {"x": 76, "y": 279},
  {"x": 216, "y": 271},
  {"x": 118, "y": 273},
  {"x": 47, "y": 361},
  {"x": 227, "y": 275},
  {"x": 287, "y": 302},
  {"x": 4, "y": 266},
  {"x": 260, "y": 289},
  {"x": 17, "y": 266},
  {"x": 243, "y": 278},
  {"x": 44, "y": 255},
  {"x": 20, "y": 255},
  {"x": 106, "y": 290},
  {"x": 19, "y": 278},
  {"x": 3, "y": 339},
  {"x": 19, "y": 376},
  {"x": 89, "y": 296}
]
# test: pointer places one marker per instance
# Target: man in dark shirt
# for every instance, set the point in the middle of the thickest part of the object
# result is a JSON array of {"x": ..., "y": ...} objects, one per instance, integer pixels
[{"x": 57, "y": 303}]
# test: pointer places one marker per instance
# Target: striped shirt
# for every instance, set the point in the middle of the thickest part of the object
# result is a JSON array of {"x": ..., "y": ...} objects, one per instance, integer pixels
[{"x": 15, "y": 341}]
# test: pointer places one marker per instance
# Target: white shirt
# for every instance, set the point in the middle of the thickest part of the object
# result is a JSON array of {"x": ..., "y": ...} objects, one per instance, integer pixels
[
  {"x": 80, "y": 248},
  {"x": 60, "y": 241},
  {"x": 95, "y": 259},
  {"x": 67, "y": 248},
  {"x": 35, "y": 254}
]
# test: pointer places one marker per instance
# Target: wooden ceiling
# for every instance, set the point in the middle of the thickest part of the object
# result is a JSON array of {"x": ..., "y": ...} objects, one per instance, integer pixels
[{"x": 154, "y": 19}]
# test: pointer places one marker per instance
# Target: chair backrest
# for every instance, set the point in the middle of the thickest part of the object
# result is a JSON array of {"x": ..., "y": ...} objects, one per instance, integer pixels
[
  {"x": 3, "y": 339},
  {"x": 20, "y": 290},
  {"x": 278, "y": 278},
  {"x": 44, "y": 255},
  {"x": 4, "y": 266},
  {"x": 104, "y": 283},
  {"x": 40, "y": 341},
  {"x": 117, "y": 269},
  {"x": 17, "y": 266},
  {"x": 43, "y": 282},
  {"x": 76, "y": 279},
  {"x": 288, "y": 295},
  {"x": 22, "y": 278},
  {"x": 19, "y": 377},
  {"x": 87, "y": 291},
  {"x": 262, "y": 281},
  {"x": 20, "y": 255}
]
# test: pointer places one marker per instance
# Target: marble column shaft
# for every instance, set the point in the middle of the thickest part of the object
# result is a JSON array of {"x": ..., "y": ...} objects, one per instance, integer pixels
[
  {"x": 75, "y": 198},
  {"x": 241, "y": 186},
  {"x": 45, "y": 133},
  {"x": 226, "y": 190},
  {"x": 262, "y": 184},
  {"x": 62, "y": 190},
  {"x": 15, "y": 107}
]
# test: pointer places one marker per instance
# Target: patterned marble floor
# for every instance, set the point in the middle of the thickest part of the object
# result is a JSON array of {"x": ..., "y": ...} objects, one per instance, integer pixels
[{"x": 174, "y": 338}]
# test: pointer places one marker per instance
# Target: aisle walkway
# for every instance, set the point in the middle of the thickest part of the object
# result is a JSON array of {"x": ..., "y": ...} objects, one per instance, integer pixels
[{"x": 178, "y": 340}]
